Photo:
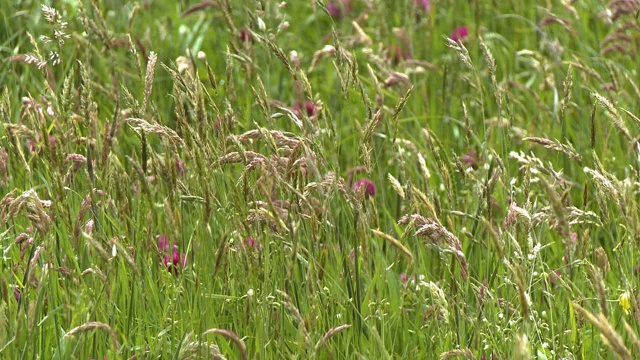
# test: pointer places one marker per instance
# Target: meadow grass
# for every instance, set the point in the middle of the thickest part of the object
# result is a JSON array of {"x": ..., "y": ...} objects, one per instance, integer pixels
[{"x": 352, "y": 180}]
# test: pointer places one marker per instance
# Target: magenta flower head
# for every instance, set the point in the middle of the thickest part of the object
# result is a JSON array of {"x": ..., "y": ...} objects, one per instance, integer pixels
[
  {"x": 32, "y": 146},
  {"x": 366, "y": 184},
  {"x": 403, "y": 278},
  {"x": 251, "y": 242},
  {"x": 335, "y": 8},
  {"x": 459, "y": 34},
  {"x": 163, "y": 242},
  {"x": 423, "y": 5},
  {"x": 397, "y": 54},
  {"x": 245, "y": 36},
  {"x": 88, "y": 227},
  {"x": 172, "y": 259},
  {"x": 309, "y": 107},
  {"x": 471, "y": 160},
  {"x": 180, "y": 167},
  {"x": 252, "y": 245}
]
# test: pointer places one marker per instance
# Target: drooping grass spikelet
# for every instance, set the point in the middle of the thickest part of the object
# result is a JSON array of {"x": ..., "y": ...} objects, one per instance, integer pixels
[
  {"x": 602, "y": 260},
  {"x": 329, "y": 334},
  {"x": 440, "y": 300},
  {"x": 613, "y": 339},
  {"x": 195, "y": 349},
  {"x": 148, "y": 79},
  {"x": 568, "y": 83},
  {"x": 395, "y": 184},
  {"x": 465, "y": 353},
  {"x": 523, "y": 296},
  {"x": 293, "y": 310},
  {"x": 439, "y": 238},
  {"x": 233, "y": 337},
  {"x": 612, "y": 114},
  {"x": 394, "y": 242},
  {"x": 94, "y": 325},
  {"x": 30, "y": 206},
  {"x": 559, "y": 209},
  {"x": 155, "y": 128},
  {"x": 555, "y": 145},
  {"x": 596, "y": 276},
  {"x": 522, "y": 349}
]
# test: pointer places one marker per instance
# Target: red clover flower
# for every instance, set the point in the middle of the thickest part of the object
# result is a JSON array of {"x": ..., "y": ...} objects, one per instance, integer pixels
[{"x": 172, "y": 260}]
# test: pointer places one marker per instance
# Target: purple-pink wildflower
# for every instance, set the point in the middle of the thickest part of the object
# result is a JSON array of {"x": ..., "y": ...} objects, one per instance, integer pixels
[
  {"x": 32, "y": 146},
  {"x": 366, "y": 184},
  {"x": 17, "y": 294},
  {"x": 251, "y": 242},
  {"x": 460, "y": 33},
  {"x": 397, "y": 54},
  {"x": 471, "y": 159},
  {"x": 335, "y": 8},
  {"x": 554, "y": 276},
  {"x": 309, "y": 106},
  {"x": 493, "y": 357},
  {"x": 88, "y": 227},
  {"x": 334, "y": 11},
  {"x": 163, "y": 242},
  {"x": 403, "y": 278},
  {"x": 181, "y": 167},
  {"x": 245, "y": 36},
  {"x": 172, "y": 260},
  {"x": 423, "y": 5}
]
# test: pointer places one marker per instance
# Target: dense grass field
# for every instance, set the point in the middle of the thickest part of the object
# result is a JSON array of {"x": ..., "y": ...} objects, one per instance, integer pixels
[{"x": 363, "y": 179}]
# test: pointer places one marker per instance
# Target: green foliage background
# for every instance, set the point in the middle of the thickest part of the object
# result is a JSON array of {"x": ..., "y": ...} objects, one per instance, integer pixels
[{"x": 518, "y": 148}]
